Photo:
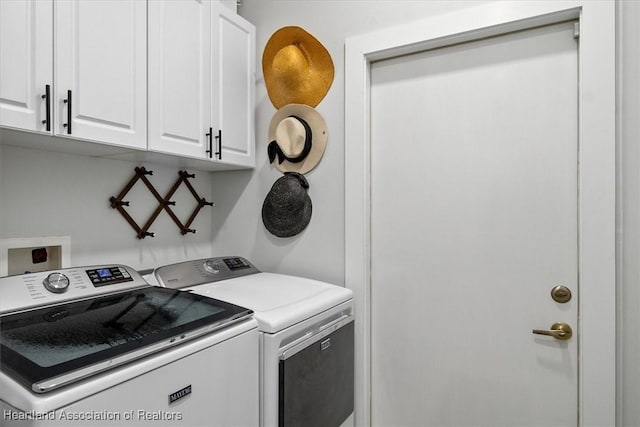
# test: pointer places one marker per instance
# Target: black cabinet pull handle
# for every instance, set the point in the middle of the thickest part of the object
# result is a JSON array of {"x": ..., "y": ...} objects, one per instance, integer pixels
[
  {"x": 210, "y": 137},
  {"x": 47, "y": 104},
  {"x": 219, "y": 138},
  {"x": 69, "y": 113}
]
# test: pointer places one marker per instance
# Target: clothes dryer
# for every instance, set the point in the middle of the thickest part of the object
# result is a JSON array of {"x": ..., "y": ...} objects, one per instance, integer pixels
[{"x": 306, "y": 337}]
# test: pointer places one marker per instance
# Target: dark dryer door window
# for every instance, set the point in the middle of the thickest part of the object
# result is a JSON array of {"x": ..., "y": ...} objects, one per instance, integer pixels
[
  {"x": 316, "y": 384},
  {"x": 47, "y": 343}
]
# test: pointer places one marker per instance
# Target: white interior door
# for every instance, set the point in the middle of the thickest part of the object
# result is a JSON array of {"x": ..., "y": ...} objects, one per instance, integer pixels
[{"x": 474, "y": 219}]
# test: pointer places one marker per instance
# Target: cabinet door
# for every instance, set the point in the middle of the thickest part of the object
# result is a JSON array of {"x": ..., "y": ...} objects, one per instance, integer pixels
[
  {"x": 101, "y": 59},
  {"x": 26, "y": 62},
  {"x": 233, "y": 94},
  {"x": 179, "y": 76}
]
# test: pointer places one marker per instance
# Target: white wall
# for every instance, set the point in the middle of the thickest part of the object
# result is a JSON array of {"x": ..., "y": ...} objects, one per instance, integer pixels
[
  {"x": 54, "y": 194},
  {"x": 318, "y": 252}
]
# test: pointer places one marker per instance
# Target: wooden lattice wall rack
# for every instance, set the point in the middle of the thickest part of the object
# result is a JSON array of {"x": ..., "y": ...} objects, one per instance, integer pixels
[{"x": 164, "y": 203}]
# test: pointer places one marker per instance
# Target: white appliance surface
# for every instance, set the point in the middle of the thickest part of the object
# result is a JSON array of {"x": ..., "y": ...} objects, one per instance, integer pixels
[
  {"x": 138, "y": 393},
  {"x": 278, "y": 300}
]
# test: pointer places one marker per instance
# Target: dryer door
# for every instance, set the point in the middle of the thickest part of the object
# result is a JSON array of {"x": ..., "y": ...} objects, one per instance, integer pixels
[{"x": 317, "y": 382}]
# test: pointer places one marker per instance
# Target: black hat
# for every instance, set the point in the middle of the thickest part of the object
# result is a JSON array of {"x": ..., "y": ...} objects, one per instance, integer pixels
[{"x": 286, "y": 210}]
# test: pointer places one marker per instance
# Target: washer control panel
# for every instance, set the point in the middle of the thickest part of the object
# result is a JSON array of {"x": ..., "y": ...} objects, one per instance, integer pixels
[
  {"x": 208, "y": 270},
  {"x": 31, "y": 290},
  {"x": 109, "y": 275}
]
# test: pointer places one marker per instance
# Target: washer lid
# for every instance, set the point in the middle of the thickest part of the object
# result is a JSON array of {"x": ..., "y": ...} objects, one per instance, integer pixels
[
  {"x": 278, "y": 300},
  {"x": 50, "y": 347}
]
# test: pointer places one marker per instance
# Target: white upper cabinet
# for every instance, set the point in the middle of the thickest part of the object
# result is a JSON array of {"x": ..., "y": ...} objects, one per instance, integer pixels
[
  {"x": 99, "y": 58},
  {"x": 201, "y": 82},
  {"x": 100, "y": 63},
  {"x": 174, "y": 77},
  {"x": 26, "y": 63},
  {"x": 233, "y": 95},
  {"x": 179, "y": 76}
]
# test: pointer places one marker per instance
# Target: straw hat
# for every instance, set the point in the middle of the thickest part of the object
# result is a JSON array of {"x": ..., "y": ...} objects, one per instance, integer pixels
[
  {"x": 286, "y": 210},
  {"x": 297, "y": 68},
  {"x": 298, "y": 136}
]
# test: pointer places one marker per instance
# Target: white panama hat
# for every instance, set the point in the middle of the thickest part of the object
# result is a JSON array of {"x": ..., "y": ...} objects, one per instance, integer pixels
[{"x": 297, "y": 138}]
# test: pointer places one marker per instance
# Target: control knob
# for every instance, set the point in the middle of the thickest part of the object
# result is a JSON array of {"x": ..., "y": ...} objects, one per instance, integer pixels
[
  {"x": 211, "y": 266},
  {"x": 56, "y": 283}
]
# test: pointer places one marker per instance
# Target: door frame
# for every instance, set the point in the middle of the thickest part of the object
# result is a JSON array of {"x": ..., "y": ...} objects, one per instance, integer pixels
[{"x": 596, "y": 176}]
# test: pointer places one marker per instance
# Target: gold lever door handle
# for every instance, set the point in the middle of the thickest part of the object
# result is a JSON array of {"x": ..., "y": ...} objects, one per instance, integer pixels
[{"x": 560, "y": 331}]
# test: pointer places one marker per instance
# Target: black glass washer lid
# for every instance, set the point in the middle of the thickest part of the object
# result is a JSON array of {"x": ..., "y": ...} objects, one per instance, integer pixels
[{"x": 47, "y": 348}]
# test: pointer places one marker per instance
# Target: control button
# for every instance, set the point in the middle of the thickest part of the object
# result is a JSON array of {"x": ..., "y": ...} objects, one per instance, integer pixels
[
  {"x": 124, "y": 272},
  {"x": 235, "y": 263},
  {"x": 56, "y": 283}
]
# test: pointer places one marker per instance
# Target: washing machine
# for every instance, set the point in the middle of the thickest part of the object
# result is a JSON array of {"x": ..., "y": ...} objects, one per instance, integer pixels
[
  {"x": 99, "y": 346},
  {"x": 306, "y": 330}
]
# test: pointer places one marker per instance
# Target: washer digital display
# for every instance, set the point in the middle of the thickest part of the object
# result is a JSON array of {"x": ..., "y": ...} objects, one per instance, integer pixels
[{"x": 104, "y": 272}]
